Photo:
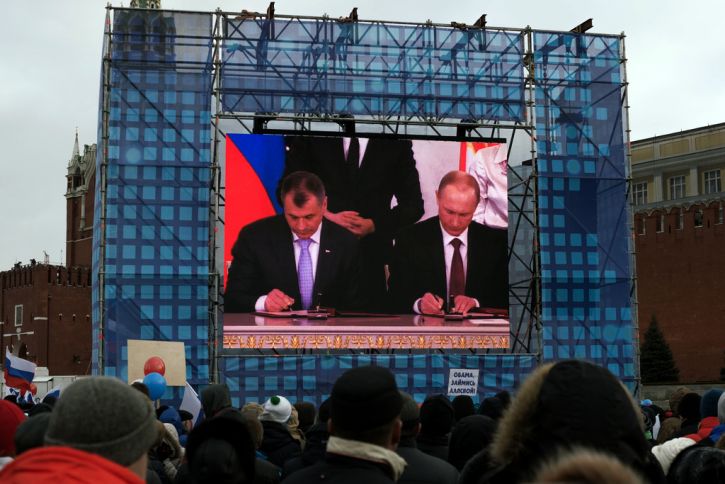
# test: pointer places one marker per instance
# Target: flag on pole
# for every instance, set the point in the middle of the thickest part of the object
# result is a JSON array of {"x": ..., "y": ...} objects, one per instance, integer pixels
[
  {"x": 191, "y": 403},
  {"x": 19, "y": 373}
]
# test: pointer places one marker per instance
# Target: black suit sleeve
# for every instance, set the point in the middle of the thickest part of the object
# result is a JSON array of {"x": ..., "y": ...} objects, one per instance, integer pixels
[
  {"x": 243, "y": 278},
  {"x": 406, "y": 189},
  {"x": 403, "y": 284}
]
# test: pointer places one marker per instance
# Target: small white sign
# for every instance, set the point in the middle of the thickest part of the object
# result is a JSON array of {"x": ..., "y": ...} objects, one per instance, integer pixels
[{"x": 463, "y": 381}]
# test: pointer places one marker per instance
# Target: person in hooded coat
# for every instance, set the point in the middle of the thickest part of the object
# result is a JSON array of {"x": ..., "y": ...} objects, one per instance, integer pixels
[
  {"x": 215, "y": 399},
  {"x": 170, "y": 415},
  {"x": 569, "y": 404}
]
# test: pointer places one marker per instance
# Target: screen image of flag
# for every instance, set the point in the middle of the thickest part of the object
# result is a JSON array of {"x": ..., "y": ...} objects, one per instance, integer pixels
[
  {"x": 254, "y": 166},
  {"x": 19, "y": 373}
]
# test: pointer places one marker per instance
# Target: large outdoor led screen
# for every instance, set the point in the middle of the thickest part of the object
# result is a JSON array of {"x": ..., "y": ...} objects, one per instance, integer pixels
[{"x": 380, "y": 263}]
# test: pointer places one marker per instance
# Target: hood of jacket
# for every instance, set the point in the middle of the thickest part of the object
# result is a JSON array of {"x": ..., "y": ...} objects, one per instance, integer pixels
[
  {"x": 573, "y": 403},
  {"x": 215, "y": 398},
  {"x": 51, "y": 464}
]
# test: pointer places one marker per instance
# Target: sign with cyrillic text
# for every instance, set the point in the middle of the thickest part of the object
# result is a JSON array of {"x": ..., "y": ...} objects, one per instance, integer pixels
[{"x": 463, "y": 381}]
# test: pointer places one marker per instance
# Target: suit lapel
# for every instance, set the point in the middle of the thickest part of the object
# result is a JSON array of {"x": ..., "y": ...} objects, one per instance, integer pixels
[
  {"x": 437, "y": 258},
  {"x": 325, "y": 264},
  {"x": 286, "y": 259},
  {"x": 474, "y": 259}
]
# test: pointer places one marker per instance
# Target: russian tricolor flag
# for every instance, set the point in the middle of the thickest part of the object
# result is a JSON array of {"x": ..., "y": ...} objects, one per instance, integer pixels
[{"x": 19, "y": 373}]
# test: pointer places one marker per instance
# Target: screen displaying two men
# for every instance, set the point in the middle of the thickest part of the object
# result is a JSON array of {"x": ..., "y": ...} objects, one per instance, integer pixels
[{"x": 374, "y": 225}]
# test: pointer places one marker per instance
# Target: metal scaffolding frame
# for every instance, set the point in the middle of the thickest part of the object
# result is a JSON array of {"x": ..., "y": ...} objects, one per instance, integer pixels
[{"x": 526, "y": 293}]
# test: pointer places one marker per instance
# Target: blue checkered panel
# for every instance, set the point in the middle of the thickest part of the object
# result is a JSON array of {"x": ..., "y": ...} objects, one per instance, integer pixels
[
  {"x": 157, "y": 193},
  {"x": 582, "y": 201},
  {"x": 325, "y": 66},
  {"x": 310, "y": 378},
  {"x": 151, "y": 219}
]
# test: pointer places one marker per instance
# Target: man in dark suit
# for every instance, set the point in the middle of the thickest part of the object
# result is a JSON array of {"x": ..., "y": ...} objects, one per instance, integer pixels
[
  {"x": 296, "y": 260},
  {"x": 449, "y": 256},
  {"x": 362, "y": 176}
]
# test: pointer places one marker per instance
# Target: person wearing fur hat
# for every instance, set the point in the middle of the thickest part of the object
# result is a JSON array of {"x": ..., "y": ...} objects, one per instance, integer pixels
[
  {"x": 569, "y": 404},
  {"x": 100, "y": 430},
  {"x": 166, "y": 454},
  {"x": 364, "y": 431},
  {"x": 278, "y": 444},
  {"x": 586, "y": 466}
]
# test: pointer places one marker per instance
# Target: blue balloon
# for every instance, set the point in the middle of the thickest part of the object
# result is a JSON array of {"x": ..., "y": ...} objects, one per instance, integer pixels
[{"x": 156, "y": 383}]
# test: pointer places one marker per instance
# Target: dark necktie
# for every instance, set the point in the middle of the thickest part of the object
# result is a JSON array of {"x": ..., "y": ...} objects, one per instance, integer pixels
[
  {"x": 353, "y": 158},
  {"x": 457, "y": 283}
]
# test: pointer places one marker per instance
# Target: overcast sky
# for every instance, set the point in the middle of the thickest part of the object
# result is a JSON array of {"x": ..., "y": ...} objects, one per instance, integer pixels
[{"x": 50, "y": 54}]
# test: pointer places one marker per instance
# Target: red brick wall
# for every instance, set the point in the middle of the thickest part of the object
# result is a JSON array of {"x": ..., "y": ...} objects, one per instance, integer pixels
[
  {"x": 60, "y": 342},
  {"x": 681, "y": 280}
]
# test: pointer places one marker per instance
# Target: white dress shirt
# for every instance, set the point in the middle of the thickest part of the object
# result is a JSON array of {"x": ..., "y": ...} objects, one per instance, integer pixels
[{"x": 314, "y": 249}]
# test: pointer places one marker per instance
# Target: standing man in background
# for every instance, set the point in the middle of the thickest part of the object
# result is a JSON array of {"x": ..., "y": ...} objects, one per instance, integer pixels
[{"x": 362, "y": 177}]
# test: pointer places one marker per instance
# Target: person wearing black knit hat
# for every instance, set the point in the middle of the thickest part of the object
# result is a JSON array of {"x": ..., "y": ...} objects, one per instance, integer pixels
[
  {"x": 436, "y": 420},
  {"x": 364, "y": 430}
]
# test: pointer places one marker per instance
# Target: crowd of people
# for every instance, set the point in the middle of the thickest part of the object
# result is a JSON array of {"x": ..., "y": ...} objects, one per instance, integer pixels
[{"x": 570, "y": 421}]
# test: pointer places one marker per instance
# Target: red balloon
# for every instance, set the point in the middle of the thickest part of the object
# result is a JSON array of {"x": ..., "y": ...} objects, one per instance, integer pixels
[
  {"x": 154, "y": 365},
  {"x": 33, "y": 388}
]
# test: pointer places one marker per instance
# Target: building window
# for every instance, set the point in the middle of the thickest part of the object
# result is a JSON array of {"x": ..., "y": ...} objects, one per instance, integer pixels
[
  {"x": 698, "y": 217},
  {"x": 639, "y": 191},
  {"x": 641, "y": 226},
  {"x": 677, "y": 187},
  {"x": 18, "y": 315},
  {"x": 679, "y": 219},
  {"x": 661, "y": 222},
  {"x": 712, "y": 182},
  {"x": 720, "y": 214}
]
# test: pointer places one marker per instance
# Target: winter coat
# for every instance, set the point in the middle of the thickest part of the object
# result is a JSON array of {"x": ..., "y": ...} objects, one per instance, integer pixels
[
  {"x": 338, "y": 469},
  {"x": 278, "y": 444},
  {"x": 423, "y": 468},
  {"x": 50, "y": 464},
  {"x": 314, "y": 450},
  {"x": 569, "y": 404}
]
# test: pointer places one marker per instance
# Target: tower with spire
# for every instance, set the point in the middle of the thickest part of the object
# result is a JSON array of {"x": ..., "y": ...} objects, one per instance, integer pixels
[{"x": 81, "y": 182}]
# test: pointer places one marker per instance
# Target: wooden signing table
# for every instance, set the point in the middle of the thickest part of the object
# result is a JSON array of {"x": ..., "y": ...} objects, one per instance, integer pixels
[{"x": 389, "y": 332}]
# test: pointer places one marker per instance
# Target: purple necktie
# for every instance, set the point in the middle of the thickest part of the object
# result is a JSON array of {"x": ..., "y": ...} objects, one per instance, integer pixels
[{"x": 304, "y": 273}]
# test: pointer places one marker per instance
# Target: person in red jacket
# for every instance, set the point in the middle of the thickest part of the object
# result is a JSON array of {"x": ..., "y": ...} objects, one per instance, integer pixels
[
  {"x": 59, "y": 464},
  {"x": 100, "y": 431}
]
